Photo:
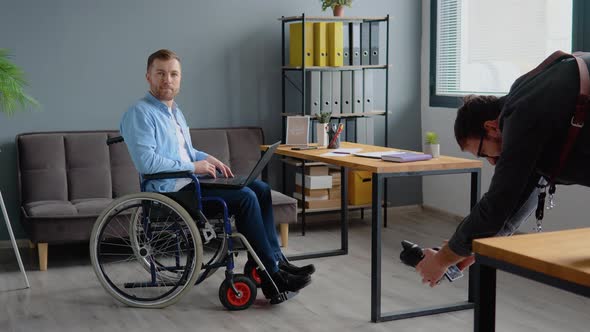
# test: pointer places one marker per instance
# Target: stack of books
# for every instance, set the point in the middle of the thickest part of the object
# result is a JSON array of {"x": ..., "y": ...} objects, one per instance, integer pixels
[{"x": 404, "y": 157}]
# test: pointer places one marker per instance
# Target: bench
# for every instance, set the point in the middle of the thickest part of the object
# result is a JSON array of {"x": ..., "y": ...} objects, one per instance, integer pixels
[{"x": 66, "y": 179}]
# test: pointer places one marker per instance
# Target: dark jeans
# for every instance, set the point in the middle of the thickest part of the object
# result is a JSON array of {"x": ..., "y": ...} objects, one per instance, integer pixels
[{"x": 252, "y": 207}]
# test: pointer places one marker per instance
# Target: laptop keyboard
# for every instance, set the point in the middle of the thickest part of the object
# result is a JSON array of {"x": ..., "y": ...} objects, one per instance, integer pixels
[{"x": 234, "y": 180}]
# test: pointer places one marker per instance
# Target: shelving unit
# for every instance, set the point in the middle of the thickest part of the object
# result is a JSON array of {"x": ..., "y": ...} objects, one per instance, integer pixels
[{"x": 286, "y": 69}]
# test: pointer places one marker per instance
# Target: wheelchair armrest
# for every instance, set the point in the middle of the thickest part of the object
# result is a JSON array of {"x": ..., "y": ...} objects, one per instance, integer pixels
[
  {"x": 167, "y": 175},
  {"x": 114, "y": 140}
]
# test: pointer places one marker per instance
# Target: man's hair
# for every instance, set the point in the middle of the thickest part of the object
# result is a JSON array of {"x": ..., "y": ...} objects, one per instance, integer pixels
[
  {"x": 162, "y": 54},
  {"x": 476, "y": 110}
]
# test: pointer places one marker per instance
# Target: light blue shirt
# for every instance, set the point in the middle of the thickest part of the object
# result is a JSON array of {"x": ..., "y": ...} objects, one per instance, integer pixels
[{"x": 149, "y": 132}]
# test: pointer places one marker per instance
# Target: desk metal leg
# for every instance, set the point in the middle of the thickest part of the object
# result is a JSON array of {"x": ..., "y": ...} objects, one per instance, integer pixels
[
  {"x": 14, "y": 246},
  {"x": 343, "y": 225},
  {"x": 376, "y": 315},
  {"x": 302, "y": 197},
  {"x": 376, "y": 248},
  {"x": 385, "y": 204},
  {"x": 343, "y": 210},
  {"x": 474, "y": 198},
  {"x": 485, "y": 298}
]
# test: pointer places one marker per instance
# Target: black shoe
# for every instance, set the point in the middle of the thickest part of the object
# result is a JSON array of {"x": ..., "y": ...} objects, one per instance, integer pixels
[
  {"x": 297, "y": 270},
  {"x": 285, "y": 283}
]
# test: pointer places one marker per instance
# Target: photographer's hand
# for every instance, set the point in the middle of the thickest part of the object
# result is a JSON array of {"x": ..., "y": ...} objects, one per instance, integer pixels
[{"x": 434, "y": 264}]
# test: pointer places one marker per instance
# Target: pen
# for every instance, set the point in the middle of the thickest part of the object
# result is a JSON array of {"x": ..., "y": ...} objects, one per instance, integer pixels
[
  {"x": 341, "y": 152},
  {"x": 340, "y": 127}
]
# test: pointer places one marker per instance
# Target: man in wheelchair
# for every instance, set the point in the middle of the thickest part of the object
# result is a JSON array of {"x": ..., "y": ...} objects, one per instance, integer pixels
[{"x": 158, "y": 140}]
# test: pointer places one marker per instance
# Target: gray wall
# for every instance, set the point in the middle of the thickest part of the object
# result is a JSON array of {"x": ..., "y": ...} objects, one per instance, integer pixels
[{"x": 85, "y": 62}]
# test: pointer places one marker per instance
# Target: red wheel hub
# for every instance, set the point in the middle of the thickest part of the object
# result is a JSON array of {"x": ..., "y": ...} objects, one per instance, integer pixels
[
  {"x": 241, "y": 299},
  {"x": 256, "y": 276}
]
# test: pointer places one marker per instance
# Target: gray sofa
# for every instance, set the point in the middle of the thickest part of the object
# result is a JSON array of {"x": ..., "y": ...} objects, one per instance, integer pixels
[{"x": 66, "y": 179}]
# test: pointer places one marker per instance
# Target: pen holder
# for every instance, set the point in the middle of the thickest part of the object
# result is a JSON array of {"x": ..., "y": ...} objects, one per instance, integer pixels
[{"x": 333, "y": 137}]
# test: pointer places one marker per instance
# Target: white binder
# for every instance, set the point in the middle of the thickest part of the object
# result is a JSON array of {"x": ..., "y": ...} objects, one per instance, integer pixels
[
  {"x": 357, "y": 91},
  {"x": 365, "y": 43},
  {"x": 326, "y": 97},
  {"x": 374, "y": 58},
  {"x": 356, "y": 44},
  {"x": 336, "y": 91},
  {"x": 346, "y": 93},
  {"x": 368, "y": 91},
  {"x": 312, "y": 87}
]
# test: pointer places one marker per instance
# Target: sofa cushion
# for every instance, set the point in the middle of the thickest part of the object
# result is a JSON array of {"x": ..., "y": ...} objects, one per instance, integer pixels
[
  {"x": 284, "y": 208},
  {"x": 91, "y": 206},
  {"x": 78, "y": 207},
  {"x": 236, "y": 147},
  {"x": 88, "y": 165},
  {"x": 42, "y": 167},
  {"x": 123, "y": 173},
  {"x": 50, "y": 209}
]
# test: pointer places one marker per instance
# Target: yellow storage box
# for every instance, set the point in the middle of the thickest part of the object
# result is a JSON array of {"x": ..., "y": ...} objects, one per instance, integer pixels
[{"x": 360, "y": 187}]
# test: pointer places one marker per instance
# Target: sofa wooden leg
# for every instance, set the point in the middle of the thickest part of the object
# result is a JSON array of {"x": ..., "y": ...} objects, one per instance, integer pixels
[
  {"x": 32, "y": 245},
  {"x": 284, "y": 235},
  {"x": 42, "y": 249}
]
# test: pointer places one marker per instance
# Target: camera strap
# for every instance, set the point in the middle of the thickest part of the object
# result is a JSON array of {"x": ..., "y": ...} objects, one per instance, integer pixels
[{"x": 576, "y": 124}]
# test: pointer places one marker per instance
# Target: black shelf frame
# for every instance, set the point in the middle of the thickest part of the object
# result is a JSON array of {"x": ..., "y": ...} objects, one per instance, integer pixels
[{"x": 303, "y": 68}]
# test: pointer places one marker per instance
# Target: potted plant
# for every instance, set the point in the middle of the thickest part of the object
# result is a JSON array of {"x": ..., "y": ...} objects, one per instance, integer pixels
[
  {"x": 12, "y": 82},
  {"x": 432, "y": 147},
  {"x": 321, "y": 128},
  {"x": 336, "y": 5}
]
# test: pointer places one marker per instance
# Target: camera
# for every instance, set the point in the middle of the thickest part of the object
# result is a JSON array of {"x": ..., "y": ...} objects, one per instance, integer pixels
[{"x": 412, "y": 254}]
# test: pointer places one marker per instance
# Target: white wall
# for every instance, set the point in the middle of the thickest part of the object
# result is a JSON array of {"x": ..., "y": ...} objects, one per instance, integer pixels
[{"x": 451, "y": 193}]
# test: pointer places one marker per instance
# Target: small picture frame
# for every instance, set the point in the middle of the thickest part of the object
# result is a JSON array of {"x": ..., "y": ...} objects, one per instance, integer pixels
[{"x": 297, "y": 130}]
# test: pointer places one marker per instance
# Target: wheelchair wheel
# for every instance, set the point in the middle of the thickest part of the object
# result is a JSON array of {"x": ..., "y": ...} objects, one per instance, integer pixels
[
  {"x": 214, "y": 250},
  {"x": 140, "y": 229},
  {"x": 246, "y": 293},
  {"x": 250, "y": 270}
]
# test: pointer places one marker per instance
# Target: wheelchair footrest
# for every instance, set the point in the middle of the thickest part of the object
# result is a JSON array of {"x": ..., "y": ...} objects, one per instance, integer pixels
[{"x": 282, "y": 297}]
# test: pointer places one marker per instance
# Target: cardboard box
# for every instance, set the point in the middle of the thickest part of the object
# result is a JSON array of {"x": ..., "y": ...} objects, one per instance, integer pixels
[
  {"x": 315, "y": 182},
  {"x": 325, "y": 204},
  {"x": 311, "y": 198},
  {"x": 360, "y": 187},
  {"x": 312, "y": 192},
  {"x": 317, "y": 170},
  {"x": 335, "y": 192}
]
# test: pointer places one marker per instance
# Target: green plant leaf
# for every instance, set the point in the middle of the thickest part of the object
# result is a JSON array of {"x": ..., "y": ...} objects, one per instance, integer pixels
[
  {"x": 333, "y": 3},
  {"x": 431, "y": 137},
  {"x": 12, "y": 83}
]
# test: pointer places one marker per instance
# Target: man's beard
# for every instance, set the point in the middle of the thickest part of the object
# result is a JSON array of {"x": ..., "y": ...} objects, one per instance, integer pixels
[{"x": 165, "y": 94}]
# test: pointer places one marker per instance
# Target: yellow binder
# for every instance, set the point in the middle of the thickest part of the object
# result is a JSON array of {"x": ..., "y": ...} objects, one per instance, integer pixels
[
  {"x": 295, "y": 43},
  {"x": 335, "y": 44},
  {"x": 320, "y": 57}
]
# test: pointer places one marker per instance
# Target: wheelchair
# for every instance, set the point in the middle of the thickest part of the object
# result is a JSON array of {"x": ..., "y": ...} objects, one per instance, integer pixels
[{"x": 147, "y": 250}]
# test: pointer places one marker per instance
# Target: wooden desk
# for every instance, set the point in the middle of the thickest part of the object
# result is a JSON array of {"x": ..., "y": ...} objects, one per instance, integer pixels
[
  {"x": 560, "y": 259},
  {"x": 382, "y": 170}
]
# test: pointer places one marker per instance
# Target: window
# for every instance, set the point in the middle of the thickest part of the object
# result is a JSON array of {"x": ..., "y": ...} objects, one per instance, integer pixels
[{"x": 482, "y": 46}]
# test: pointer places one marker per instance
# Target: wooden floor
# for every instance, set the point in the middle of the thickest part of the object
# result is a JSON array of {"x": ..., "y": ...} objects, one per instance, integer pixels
[{"x": 68, "y": 296}]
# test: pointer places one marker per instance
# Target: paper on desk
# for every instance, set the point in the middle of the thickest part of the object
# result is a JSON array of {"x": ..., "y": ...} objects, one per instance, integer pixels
[{"x": 341, "y": 152}]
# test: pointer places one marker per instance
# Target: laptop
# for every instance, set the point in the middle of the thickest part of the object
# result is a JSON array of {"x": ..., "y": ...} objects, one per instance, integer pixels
[{"x": 240, "y": 181}]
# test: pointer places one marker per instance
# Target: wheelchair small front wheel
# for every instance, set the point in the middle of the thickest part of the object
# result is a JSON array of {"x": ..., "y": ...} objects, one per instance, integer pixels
[{"x": 245, "y": 296}]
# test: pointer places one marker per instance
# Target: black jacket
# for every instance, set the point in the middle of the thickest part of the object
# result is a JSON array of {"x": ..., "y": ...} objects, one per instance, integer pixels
[{"x": 534, "y": 122}]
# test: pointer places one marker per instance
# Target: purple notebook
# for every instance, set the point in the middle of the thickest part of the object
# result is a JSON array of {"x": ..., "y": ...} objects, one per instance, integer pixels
[{"x": 404, "y": 157}]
